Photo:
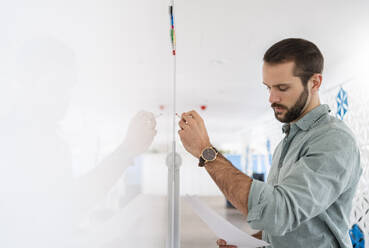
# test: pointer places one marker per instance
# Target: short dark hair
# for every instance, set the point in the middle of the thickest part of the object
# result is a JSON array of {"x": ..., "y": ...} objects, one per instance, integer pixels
[{"x": 306, "y": 55}]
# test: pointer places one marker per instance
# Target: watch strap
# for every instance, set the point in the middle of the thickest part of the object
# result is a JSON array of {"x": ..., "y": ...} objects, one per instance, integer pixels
[{"x": 201, "y": 162}]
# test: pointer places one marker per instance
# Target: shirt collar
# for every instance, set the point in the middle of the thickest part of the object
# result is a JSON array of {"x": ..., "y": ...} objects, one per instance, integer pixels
[{"x": 309, "y": 119}]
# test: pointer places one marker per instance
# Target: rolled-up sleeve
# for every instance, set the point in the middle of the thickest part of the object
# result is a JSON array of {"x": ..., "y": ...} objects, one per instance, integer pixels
[{"x": 312, "y": 184}]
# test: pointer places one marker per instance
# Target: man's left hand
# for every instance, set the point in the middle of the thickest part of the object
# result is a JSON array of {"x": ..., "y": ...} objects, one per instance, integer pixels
[
  {"x": 193, "y": 133},
  {"x": 223, "y": 244}
]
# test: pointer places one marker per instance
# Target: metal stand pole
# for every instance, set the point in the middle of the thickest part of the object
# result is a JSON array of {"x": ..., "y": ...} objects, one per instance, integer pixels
[
  {"x": 174, "y": 163},
  {"x": 173, "y": 159}
]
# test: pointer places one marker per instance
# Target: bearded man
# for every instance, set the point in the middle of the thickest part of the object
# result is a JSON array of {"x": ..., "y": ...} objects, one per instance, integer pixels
[{"x": 307, "y": 199}]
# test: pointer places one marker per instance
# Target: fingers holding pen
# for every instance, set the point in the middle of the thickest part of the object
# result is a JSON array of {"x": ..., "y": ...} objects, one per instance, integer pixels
[
  {"x": 183, "y": 124},
  {"x": 185, "y": 121},
  {"x": 194, "y": 115},
  {"x": 188, "y": 119}
]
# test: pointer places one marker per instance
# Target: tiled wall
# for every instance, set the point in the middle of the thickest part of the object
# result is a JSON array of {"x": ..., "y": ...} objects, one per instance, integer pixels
[{"x": 357, "y": 118}]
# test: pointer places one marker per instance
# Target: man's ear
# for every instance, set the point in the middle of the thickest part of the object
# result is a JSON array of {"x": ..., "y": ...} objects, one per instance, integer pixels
[{"x": 316, "y": 81}]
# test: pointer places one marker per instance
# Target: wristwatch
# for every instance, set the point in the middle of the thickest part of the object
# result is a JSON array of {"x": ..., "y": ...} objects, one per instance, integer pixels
[{"x": 207, "y": 155}]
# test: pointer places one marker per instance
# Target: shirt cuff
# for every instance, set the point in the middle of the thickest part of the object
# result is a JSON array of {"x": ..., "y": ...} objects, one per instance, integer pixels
[{"x": 256, "y": 202}]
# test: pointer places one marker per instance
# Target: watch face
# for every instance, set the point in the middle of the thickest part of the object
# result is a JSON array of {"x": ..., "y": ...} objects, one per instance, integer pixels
[{"x": 209, "y": 154}]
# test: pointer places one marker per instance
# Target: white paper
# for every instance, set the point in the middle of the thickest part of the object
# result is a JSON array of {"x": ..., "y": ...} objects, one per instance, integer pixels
[{"x": 221, "y": 227}]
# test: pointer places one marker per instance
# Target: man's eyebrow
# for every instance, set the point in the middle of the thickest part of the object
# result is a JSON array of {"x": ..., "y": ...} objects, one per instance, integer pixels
[{"x": 277, "y": 85}]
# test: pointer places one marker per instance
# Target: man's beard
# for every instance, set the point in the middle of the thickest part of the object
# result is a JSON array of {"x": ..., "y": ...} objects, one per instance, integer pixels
[{"x": 295, "y": 111}]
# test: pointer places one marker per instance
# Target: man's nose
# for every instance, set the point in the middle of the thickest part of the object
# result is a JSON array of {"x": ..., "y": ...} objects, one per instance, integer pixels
[{"x": 274, "y": 97}]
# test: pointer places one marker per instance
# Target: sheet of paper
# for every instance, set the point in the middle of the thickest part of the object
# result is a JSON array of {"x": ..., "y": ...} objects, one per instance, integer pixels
[{"x": 221, "y": 227}]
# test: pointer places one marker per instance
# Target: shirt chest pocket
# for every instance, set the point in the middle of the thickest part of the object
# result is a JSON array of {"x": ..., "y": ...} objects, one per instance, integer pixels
[
  {"x": 289, "y": 162},
  {"x": 285, "y": 170}
]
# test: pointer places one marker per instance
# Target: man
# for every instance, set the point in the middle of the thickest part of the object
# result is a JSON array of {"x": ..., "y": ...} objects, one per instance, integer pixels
[{"x": 307, "y": 199}]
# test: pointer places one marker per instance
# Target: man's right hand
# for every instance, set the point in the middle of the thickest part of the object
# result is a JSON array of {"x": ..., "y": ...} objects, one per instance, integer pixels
[{"x": 223, "y": 244}]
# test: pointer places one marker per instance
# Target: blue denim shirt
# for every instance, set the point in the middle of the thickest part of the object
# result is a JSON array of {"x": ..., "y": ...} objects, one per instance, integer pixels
[{"x": 307, "y": 199}]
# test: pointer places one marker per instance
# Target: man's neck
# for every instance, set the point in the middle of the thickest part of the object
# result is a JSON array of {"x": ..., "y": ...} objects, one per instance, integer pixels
[{"x": 313, "y": 104}]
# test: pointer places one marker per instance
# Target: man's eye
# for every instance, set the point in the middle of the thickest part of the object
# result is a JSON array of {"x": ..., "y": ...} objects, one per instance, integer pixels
[{"x": 283, "y": 88}]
